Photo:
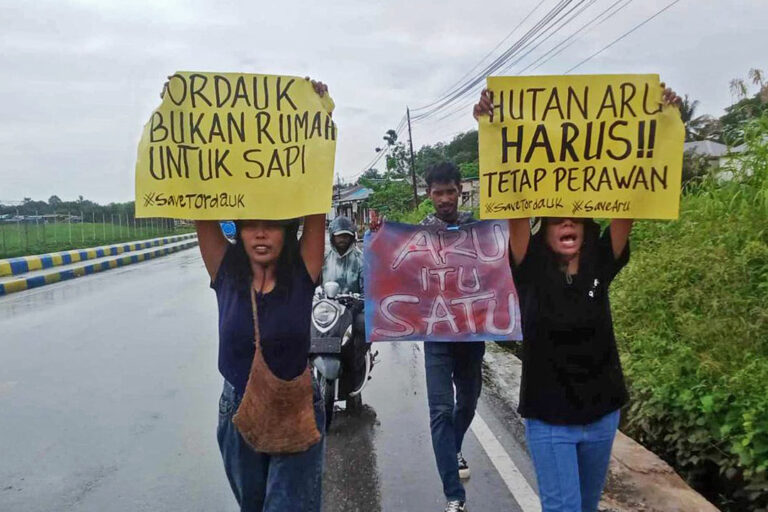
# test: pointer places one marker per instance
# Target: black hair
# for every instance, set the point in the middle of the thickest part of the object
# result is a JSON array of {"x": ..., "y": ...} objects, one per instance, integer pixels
[
  {"x": 289, "y": 258},
  {"x": 588, "y": 246},
  {"x": 444, "y": 172}
]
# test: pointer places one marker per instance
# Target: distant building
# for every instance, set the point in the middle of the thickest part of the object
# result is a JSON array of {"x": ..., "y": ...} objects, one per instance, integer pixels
[
  {"x": 713, "y": 151},
  {"x": 724, "y": 159},
  {"x": 470, "y": 193},
  {"x": 350, "y": 202}
]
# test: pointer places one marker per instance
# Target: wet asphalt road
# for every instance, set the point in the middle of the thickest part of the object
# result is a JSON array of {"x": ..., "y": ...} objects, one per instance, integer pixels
[{"x": 109, "y": 401}]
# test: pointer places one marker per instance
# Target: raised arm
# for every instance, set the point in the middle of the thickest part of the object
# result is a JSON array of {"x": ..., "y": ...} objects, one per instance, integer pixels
[
  {"x": 212, "y": 244},
  {"x": 620, "y": 229},
  {"x": 519, "y": 237},
  {"x": 313, "y": 244}
]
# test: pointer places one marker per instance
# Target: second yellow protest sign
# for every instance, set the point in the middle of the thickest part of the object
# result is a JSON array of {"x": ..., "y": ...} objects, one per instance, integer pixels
[
  {"x": 580, "y": 146},
  {"x": 236, "y": 146}
]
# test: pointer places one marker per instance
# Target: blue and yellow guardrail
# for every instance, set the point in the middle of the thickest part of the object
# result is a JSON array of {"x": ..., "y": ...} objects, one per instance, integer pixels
[
  {"x": 24, "y": 264},
  {"x": 26, "y": 283}
]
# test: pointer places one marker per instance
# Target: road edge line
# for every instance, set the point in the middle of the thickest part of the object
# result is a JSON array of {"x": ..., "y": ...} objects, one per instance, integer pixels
[{"x": 521, "y": 490}]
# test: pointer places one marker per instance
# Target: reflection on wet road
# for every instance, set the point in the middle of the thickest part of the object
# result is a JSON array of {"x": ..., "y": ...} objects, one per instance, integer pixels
[{"x": 109, "y": 389}]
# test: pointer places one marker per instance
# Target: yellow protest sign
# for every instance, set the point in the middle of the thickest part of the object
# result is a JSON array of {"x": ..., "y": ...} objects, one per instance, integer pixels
[
  {"x": 236, "y": 146},
  {"x": 580, "y": 146}
]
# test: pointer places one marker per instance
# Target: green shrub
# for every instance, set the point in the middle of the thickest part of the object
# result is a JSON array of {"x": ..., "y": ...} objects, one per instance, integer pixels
[
  {"x": 691, "y": 317},
  {"x": 413, "y": 216}
]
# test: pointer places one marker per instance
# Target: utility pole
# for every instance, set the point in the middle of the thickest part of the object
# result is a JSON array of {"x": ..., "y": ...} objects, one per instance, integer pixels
[{"x": 413, "y": 166}]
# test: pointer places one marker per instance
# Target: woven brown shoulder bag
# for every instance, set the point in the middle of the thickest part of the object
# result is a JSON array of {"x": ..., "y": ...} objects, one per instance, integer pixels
[{"x": 275, "y": 415}]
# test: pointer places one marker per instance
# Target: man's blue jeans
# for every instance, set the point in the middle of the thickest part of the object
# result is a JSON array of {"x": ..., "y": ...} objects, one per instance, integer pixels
[
  {"x": 450, "y": 364},
  {"x": 270, "y": 483},
  {"x": 571, "y": 462}
]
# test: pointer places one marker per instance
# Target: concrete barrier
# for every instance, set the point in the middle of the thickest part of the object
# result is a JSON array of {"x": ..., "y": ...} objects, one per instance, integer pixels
[
  {"x": 26, "y": 283},
  {"x": 24, "y": 264}
]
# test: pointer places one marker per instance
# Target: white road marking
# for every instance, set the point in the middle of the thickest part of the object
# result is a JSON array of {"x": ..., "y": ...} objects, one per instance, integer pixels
[{"x": 516, "y": 483}]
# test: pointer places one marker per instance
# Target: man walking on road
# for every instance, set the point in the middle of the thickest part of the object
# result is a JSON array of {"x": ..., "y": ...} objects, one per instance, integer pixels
[{"x": 451, "y": 365}]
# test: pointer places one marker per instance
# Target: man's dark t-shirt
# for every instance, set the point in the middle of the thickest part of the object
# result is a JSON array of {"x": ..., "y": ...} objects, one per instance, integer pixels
[{"x": 571, "y": 369}]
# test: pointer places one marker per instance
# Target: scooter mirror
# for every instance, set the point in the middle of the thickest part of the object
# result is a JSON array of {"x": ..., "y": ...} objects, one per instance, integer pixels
[{"x": 331, "y": 289}]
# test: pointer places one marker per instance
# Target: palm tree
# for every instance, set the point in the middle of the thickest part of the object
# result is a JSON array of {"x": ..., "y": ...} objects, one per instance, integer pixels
[
  {"x": 757, "y": 76},
  {"x": 738, "y": 88},
  {"x": 693, "y": 125}
]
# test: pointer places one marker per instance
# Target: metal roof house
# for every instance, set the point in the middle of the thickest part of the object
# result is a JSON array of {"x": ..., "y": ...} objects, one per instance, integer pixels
[{"x": 350, "y": 202}]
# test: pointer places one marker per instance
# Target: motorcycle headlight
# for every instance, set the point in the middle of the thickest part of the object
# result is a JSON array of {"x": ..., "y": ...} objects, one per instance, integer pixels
[{"x": 324, "y": 314}]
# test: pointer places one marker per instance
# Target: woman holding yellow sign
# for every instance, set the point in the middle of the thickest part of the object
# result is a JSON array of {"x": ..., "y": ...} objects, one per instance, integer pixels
[
  {"x": 271, "y": 414},
  {"x": 572, "y": 383}
]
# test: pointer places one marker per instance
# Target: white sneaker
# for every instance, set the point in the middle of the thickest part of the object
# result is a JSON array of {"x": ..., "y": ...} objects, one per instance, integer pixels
[{"x": 456, "y": 506}]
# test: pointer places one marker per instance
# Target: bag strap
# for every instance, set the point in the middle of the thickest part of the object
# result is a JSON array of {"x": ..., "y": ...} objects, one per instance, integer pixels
[{"x": 255, "y": 311}]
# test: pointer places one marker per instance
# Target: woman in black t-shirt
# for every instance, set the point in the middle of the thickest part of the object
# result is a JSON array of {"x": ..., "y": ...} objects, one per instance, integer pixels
[{"x": 572, "y": 384}]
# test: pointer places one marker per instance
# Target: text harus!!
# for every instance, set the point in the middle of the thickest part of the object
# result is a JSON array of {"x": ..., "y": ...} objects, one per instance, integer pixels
[{"x": 618, "y": 140}]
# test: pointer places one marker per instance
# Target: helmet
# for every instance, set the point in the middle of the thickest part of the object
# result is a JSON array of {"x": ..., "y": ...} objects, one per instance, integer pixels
[{"x": 342, "y": 226}]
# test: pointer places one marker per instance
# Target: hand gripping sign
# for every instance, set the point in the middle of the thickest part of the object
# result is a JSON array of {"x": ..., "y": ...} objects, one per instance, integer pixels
[
  {"x": 580, "y": 146},
  {"x": 236, "y": 146},
  {"x": 431, "y": 283}
]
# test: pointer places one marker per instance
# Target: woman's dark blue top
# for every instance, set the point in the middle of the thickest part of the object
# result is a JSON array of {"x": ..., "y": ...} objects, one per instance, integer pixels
[{"x": 284, "y": 322}]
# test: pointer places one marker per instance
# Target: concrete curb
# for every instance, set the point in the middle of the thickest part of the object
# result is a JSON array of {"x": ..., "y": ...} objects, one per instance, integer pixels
[
  {"x": 24, "y": 264},
  {"x": 638, "y": 480},
  {"x": 26, "y": 283}
]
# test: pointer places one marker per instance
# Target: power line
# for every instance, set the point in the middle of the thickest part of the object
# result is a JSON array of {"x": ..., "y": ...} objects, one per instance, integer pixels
[
  {"x": 549, "y": 26},
  {"x": 398, "y": 131},
  {"x": 464, "y": 106},
  {"x": 556, "y": 26},
  {"x": 570, "y": 40},
  {"x": 558, "y": 29},
  {"x": 622, "y": 36},
  {"x": 554, "y": 21},
  {"x": 493, "y": 66},
  {"x": 498, "y": 45}
]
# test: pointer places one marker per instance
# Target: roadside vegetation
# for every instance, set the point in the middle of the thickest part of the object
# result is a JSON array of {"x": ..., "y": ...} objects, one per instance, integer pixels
[
  {"x": 38, "y": 227},
  {"x": 691, "y": 317},
  {"x": 24, "y": 239}
]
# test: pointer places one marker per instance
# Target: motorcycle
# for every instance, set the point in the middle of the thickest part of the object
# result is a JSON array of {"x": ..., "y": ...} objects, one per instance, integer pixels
[{"x": 341, "y": 358}]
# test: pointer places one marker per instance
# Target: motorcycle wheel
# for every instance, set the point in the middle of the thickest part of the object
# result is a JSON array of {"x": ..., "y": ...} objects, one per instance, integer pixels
[
  {"x": 355, "y": 403},
  {"x": 328, "y": 389}
]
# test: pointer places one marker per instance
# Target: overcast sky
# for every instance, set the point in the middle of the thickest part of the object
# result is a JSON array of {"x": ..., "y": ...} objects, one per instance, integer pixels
[{"x": 79, "y": 79}]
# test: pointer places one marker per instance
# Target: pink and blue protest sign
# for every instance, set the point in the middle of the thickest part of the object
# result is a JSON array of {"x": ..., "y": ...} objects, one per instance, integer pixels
[{"x": 437, "y": 283}]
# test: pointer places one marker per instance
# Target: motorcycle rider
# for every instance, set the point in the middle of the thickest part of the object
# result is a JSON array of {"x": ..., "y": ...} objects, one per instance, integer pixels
[
  {"x": 343, "y": 260},
  {"x": 344, "y": 265}
]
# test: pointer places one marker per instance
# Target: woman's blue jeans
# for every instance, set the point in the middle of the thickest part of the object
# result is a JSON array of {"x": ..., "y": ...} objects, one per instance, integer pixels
[
  {"x": 571, "y": 462},
  {"x": 270, "y": 483}
]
